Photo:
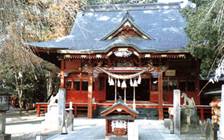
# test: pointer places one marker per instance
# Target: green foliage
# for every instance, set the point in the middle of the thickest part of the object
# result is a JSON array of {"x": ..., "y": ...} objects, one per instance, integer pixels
[{"x": 205, "y": 32}]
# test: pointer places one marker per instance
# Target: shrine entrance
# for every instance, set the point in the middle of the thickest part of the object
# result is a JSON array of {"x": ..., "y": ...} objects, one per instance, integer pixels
[
  {"x": 142, "y": 91},
  {"x": 131, "y": 84}
]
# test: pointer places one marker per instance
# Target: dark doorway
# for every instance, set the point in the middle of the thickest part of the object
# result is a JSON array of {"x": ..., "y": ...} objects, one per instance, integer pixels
[{"x": 142, "y": 91}]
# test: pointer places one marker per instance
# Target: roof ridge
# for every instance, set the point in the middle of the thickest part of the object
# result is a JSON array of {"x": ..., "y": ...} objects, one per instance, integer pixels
[{"x": 125, "y": 7}]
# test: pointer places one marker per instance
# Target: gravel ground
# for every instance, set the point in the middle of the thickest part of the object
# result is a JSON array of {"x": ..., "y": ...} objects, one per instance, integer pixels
[
  {"x": 25, "y": 126},
  {"x": 28, "y": 127},
  {"x": 85, "y": 129},
  {"x": 23, "y": 131}
]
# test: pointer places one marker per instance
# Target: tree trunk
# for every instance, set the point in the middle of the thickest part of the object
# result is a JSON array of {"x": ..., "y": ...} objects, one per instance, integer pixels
[
  {"x": 19, "y": 82},
  {"x": 20, "y": 95}
]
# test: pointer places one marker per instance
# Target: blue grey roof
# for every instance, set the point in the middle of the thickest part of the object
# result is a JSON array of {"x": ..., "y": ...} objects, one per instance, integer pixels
[
  {"x": 120, "y": 102},
  {"x": 164, "y": 25}
]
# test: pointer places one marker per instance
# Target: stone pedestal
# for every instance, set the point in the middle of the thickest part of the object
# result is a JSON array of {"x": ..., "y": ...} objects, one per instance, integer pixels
[
  {"x": 69, "y": 119},
  {"x": 2, "y": 123},
  {"x": 176, "y": 110},
  {"x": 51, "y": 118},
  {"x": 132, "y": 131},
  {"x": 61, "y": 106},
  {"x": 189, "y": 120},
  {"x": 55, "y": 116},
  {"x": 5, "y": 136}
]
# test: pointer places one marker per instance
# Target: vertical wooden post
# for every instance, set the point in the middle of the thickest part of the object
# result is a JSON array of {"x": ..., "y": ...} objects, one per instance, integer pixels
[
  {"x": 38, "y": 110},
  {"x": 62, "y": 77},
  {"x": 221, "y": 127},
  {"x": 134, "y": 104},
  {"x": 160, "y": 109},
  {"x": 115, "y": 88},
  {"x": 125, "y": 100},
  {"x": 176, "y": 109},
  {"x": 90, "y": 96},
  {"x": 202, "y": 116},
  {"x": 150, "y": 87},
  {"x": 197, "y": 82}
]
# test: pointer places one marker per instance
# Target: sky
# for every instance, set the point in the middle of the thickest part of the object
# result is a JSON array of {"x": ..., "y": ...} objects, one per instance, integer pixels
[{"x": 184, "y": 2}]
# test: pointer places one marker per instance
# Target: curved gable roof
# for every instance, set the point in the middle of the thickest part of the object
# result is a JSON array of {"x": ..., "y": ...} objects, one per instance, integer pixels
[
  {"x": 127, "y": 20},
  {"x": 165, "y": 25}
]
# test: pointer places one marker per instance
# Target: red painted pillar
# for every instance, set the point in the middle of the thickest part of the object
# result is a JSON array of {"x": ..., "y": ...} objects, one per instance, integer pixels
[
  {"x": 62, "y": 76},
  {"x": 38, "y": 110},
  {"x": 160, "y": 109},
  {"x": 90, "y": 96},
  {"x": 202, "y": 117}
]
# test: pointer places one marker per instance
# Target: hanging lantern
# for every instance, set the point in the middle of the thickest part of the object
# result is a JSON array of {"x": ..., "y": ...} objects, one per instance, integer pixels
[
  {"x": 135, "y": 83},
  {"x": 131, "y": 83},
  {"x": 123, "y": 85},
  {"x": 118, "y": 83},
  {"x": 139, "y": 79}
]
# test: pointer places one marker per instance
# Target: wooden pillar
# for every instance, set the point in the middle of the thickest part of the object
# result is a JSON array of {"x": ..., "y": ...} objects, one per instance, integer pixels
[
  {"x": 134, "y": 104},
  {"x": 125, "y": 100},
  {"x": 197, "y": 82},
  {"x": 221, "y": 127},
  {"x": 150, "y": 80},
  {"x": 90, "y": 96},
  {"x": 202, "y": 114},
  {"x": 62, "y": 74},
  {"x": 160, "y": 109},
  {"x": 38, "y": 110},
  {"x": 115, "y": 92},
  {"x": 176, "y": 109}
]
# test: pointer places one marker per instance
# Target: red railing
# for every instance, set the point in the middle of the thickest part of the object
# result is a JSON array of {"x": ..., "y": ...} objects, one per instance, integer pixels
[
  {"x": 204, "y": 111},
  {"x": 41, "y": 108}
]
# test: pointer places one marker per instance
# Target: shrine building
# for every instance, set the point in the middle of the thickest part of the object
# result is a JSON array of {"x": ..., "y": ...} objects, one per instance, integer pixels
[{"x": 134, "y": 52}]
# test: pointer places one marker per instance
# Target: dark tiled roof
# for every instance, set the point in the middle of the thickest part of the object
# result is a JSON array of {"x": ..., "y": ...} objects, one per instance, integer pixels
[
  {"x": 164, "y": 23},
  {"x": 120, "y": 102}
]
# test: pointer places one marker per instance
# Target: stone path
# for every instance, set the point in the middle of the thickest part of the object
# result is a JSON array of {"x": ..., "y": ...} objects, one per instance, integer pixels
[
  {"x": 154, "y": 130},
  {"x": 85, "y": 129}
]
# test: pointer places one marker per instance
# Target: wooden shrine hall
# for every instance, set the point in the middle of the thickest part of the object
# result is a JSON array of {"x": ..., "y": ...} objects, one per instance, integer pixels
[{"x": 137, "y": 52}]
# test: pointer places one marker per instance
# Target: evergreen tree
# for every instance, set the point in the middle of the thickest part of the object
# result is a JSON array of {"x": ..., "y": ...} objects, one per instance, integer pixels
[{"x": 205, "y": 27}]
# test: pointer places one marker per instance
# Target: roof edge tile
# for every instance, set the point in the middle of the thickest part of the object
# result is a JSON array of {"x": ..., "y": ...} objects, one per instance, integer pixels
[{"x": 122, "y": 7}]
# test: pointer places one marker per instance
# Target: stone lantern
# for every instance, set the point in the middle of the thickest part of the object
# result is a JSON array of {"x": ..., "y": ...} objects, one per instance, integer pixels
[{"x": 4, "y": 106}]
